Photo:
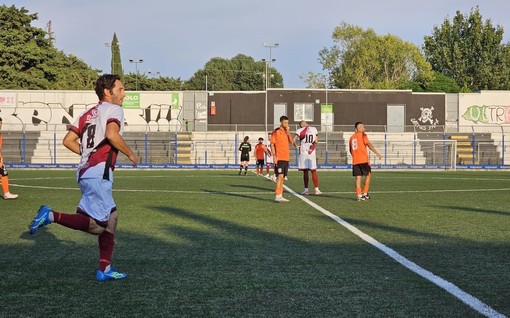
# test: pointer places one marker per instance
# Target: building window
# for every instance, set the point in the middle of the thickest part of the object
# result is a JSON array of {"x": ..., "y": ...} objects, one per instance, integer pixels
[{"x": 303, "y": 111}]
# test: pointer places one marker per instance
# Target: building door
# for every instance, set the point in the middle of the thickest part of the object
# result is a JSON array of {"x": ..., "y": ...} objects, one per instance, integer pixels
[
  {"x": 396, "y": 117},
  {"x": 280, "y": 109}
]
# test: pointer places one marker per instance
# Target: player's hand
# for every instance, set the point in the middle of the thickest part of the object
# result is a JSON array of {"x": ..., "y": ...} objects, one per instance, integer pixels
[
  {"x": 379, "y": 156},
  {"x": 133, "y": 158}
]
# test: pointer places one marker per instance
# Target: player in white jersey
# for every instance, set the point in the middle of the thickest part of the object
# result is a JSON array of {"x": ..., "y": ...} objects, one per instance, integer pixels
[
  {"x": 269, "y": 159},
  {"x": 308, "y": 137},
  {"x": 97, "y": 137}
]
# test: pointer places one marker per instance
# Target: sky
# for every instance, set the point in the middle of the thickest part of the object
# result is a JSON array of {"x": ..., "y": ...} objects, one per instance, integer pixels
[{"x": 177, "y": 38}]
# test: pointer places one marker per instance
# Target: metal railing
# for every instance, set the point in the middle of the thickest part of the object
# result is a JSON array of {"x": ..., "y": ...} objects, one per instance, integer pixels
[{"x": 476, "y": 146}]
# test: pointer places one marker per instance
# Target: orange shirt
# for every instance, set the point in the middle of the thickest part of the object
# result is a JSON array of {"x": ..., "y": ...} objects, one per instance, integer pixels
[
  {"x": 1, "y": 141},
  {"x": 281, "y": 140},
  {"x": 358, "y": 148},
  {"x": 260, "y": 150}
]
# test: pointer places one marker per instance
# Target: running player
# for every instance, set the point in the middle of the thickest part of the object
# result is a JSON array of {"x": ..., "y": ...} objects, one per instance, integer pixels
[
  {"x": 97, "y": 137},
  {"x": 308, "y": 137},
  {"x": 260, "y": 152},
  {"x": 245, "y": 149},
  {"x": 4, "y": 179},
  {"x": 280, "y": 140},
  {"x": 358, "y": 144}
]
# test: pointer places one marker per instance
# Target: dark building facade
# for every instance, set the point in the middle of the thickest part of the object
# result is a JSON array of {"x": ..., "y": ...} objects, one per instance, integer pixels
[{"x": 393, "y": 110}]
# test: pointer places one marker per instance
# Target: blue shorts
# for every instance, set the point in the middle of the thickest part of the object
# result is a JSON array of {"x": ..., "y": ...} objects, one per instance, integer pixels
[{"x": 97, "y": 200}]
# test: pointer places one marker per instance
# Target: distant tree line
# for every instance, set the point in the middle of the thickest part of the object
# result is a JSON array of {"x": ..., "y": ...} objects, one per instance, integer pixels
[{"x": 462, "y": 55}]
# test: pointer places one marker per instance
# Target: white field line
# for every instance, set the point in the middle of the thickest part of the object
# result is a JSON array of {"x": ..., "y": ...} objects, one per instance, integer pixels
[
  {"x": 466, "y": 298},
  {"x": 258, "y": 192}
]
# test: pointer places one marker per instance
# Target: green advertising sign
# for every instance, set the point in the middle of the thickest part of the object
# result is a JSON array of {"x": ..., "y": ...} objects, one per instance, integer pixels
[
  {"x": 132, "y": 100},
  {"x": 326, "y": 108},
  {"x": 175, "y": 101}
]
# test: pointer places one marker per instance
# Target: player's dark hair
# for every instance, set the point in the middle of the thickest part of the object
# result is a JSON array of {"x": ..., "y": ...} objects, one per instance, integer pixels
[
  {"x": 0, "y": 118},
  {"x": 282, "y": 118},
  {"x": 105, "y": 81},
  {"x": 261, "y": 139},
  {"x": 357, "y": 123},
  {"x": 246, "y": 138}
]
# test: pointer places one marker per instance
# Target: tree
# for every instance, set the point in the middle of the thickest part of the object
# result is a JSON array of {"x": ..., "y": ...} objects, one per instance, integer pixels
[
  {"x": 315, "y": 80},
  {"x": 363, "y": 59},
  {"x": 116, "y": 63},
  {"x": 241, "y": 73},
  {"x": 439, "y": 83},
  {"x": 28, "y": 59},
  {"x": 470, "y": 51},
  {"x": 151, "y": 84}
]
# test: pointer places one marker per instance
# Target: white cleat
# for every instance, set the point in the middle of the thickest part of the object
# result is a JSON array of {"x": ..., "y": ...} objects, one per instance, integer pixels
[
  {"x": 306, "y": 192},
  {"x": 10, "y": 196},
  {"x": 282, "y": 199},
  {"x": 318, "y": 192}
]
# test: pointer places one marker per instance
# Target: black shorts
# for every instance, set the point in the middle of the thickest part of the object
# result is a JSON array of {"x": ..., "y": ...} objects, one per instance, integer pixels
[
  {"x": 362, "y": 169},
  {"x": 3, "y": 171},
  {"x": 260, "y": 162},
  {"x": 245, "y": 158},
  {"x": 282, "y": 167}
]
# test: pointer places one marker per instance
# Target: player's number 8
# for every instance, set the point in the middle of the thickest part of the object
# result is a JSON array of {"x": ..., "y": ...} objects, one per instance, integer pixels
[
  {"x": 355, "y": 144},
  {"x": 91, "y": 132}
]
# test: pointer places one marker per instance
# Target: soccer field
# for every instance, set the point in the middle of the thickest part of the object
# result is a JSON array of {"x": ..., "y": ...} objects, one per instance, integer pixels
[{"x": 215, "y": 244}]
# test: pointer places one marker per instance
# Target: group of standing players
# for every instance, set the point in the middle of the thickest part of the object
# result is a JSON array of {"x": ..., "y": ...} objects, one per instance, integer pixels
[{"x": 277, "y": 152}]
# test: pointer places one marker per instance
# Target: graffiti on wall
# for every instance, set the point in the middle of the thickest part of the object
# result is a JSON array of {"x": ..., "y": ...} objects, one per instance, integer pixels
[
  {"x": 492, "y": 114},
  {"x": 426, "y": 121},
  {"x": 39, "y": 115}
]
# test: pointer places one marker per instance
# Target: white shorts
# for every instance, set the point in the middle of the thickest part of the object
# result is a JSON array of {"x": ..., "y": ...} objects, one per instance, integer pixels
[
  {"x": 97, "y": 200},
  {"x": 307, "y": 161}
]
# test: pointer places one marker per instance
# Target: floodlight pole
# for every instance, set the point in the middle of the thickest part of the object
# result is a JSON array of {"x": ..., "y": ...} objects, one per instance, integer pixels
[{"x": 136, "y": 67}]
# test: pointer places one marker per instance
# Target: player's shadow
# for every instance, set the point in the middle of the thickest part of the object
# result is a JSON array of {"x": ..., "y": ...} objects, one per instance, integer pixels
[
  {"x": 395, "y": 229},
  {"x": 232, "y": 194},
  {"x": 470, "y": 209},
  {"x": 251, "y": 187}
]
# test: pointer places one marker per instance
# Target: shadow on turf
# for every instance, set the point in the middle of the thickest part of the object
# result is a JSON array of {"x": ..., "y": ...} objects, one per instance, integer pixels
[
  {"x": 218, "y": 268},
  {"x": 469, "y": 209},
  {"x": 231, "y": 194}
]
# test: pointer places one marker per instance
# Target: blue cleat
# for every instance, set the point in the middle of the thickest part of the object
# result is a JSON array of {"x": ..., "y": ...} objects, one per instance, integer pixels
[
  {"x": 41, "y": 219},
  {"x": 112, "y": 274}
]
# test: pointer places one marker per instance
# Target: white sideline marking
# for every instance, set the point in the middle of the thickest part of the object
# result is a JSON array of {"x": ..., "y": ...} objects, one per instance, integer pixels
[
  {"x": 466, "y": 298},
  {"x": 259, "y": 192}
]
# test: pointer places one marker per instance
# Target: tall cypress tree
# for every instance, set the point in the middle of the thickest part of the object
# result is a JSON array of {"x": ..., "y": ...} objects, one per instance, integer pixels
[{"x": 116, "y": 61}]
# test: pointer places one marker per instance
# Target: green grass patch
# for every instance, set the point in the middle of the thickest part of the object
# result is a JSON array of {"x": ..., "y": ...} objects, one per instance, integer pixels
[{"x": 214, "y": 244}]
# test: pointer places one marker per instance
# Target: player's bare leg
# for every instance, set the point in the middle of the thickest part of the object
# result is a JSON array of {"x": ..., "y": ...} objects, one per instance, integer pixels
[
  {"x": 358, "y": 189},
  {"x": 279, "y": 189},
  {"x": 366, "y": 186}
]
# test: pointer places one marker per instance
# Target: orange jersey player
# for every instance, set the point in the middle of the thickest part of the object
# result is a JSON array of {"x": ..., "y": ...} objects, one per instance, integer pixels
[
  {"x": 260, "y": 153},
  {"x": 358, "y": 144},
  {"x": 280, "y": 140},
  {"x": 4, "y": 179}
]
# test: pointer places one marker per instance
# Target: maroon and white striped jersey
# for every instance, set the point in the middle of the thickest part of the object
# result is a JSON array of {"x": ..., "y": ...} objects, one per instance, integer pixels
[
  {"x": 97, "y": 154},
  {"x": 306, "y": 136}
]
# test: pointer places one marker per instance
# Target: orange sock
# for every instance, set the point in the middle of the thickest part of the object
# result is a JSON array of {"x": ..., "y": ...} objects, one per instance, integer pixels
[
  {"x": 5, "y": 184},
  {"x": 365, "y": 188},
  {"x": 279, "y": 190},
  {"x": 358, "y": 191}
]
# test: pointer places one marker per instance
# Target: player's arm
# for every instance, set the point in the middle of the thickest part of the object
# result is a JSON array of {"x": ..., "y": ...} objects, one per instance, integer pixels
[
  {"x": 116, "y": 140},
  {"x": 71, "y": 142},
  {"x": 292, "y": 140},
  {"x": 369, "y": 145},
  {"x": 275, "y": 160}
]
